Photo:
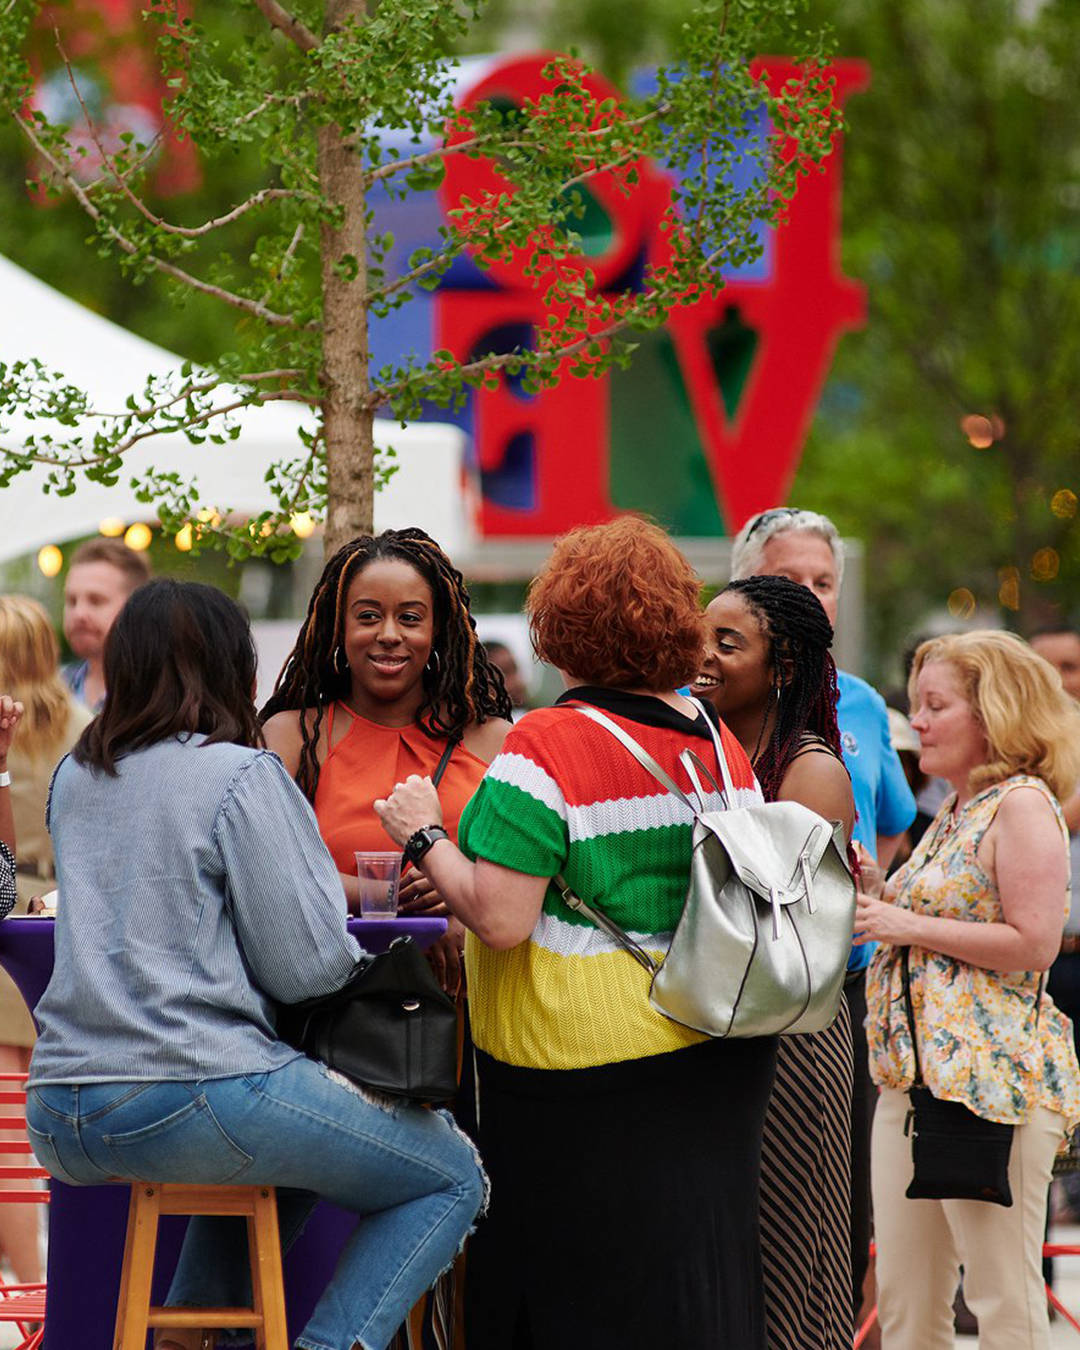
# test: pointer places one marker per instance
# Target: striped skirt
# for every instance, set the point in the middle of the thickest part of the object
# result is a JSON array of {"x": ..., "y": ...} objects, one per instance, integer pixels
[{"x": 806, "y": 1192}]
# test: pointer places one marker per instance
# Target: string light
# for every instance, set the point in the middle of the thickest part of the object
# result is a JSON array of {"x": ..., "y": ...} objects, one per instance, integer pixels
[
  {"x": 961, "y": 603},
  {"x": 1045, "y": 564},
  {"x": 138, "y": 537},
  {"x": 1064, "y": 503},
  {"x": 184, "y": 539},
  {"x": 303, "y": 524},
  {"x": 50, "y": 560},
  {"x": 979, "y": 430},
  {"x": 112, "y": 527},
  {"x": 1009, "y": 590}
]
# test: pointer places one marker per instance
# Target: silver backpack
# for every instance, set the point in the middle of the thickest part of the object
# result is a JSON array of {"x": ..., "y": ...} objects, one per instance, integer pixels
[{"x": 763, "y": 941}]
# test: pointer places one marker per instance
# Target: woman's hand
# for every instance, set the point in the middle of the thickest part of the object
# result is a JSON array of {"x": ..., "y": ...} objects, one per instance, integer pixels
[
  {"x": 881, "y": 921},
  {"x": 871, "y": 877},
  {"x": 410, "y": 807},
  {"x": 10, "y": 716},
  {"x": 445, "y": 955},
  {"x": 417, "y": 895}
]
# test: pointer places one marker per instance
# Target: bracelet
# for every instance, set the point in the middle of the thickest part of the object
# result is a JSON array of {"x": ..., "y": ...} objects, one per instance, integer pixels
[{"x": 5, "y": 779}]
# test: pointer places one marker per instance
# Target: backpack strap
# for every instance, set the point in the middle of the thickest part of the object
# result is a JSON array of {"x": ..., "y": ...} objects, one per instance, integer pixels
[
  {"x": 721, "y": 757},
  {"x": 574, "y": 901},
  {"x": 609, "y": 926}
]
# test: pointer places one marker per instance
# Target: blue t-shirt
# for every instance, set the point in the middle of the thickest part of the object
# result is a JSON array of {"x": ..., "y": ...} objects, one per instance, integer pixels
[
  {"x": 75, "y": 678},
  {"x": 882, "y": 797}
]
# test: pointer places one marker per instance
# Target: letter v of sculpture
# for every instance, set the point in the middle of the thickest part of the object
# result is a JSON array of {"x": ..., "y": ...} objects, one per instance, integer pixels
[{"x": 798, "y": 313}]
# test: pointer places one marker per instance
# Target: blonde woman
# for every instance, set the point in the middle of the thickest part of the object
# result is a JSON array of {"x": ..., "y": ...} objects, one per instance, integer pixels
[
  {"x": 979, "y": 910},
  {"x": 51, "y": 724}
]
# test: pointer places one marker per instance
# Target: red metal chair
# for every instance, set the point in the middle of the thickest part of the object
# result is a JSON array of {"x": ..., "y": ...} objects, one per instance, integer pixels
[
  {"x": 20, "y": 1304},
  {"x": 1049, "y": 1249}
]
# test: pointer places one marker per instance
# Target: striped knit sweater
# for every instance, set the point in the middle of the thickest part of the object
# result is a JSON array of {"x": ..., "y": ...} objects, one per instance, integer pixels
[{"x": 565, "y": 796}]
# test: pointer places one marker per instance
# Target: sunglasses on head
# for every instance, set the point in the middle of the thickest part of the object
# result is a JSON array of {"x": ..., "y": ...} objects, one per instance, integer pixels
[{"x": 774, "y": 514}]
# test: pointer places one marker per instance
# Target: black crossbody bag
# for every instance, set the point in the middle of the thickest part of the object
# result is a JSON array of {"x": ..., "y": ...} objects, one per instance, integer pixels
[
  {"x": 957, "y": 1154},
  {"x": 390, "y": 1026}
]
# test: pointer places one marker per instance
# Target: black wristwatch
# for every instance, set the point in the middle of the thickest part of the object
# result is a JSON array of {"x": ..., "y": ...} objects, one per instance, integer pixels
[{"x": 422, "y": 840}]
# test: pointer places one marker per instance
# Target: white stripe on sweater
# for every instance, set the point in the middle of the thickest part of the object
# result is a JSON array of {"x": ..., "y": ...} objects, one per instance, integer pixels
[
  {"x": 571, "y": 939},
  {"x": 659, "y": 811},
  {"x": 521, "y": 772}
]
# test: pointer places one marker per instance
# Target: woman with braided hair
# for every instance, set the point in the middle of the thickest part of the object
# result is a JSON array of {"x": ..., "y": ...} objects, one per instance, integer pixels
[
  {"x": 768, "y": 671},
  {"x": 386, "y": 679}
]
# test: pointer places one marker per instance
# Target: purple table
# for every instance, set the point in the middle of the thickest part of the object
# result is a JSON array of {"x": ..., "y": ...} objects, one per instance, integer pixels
[{"x": 87, "y": 1223}]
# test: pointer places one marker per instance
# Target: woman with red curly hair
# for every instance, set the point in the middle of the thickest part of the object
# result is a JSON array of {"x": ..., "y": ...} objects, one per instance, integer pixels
[{"x": 623, "y": 1148}]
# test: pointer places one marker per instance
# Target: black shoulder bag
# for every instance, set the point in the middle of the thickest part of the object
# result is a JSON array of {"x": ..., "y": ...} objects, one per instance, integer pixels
[
  {"x": 390, "y": 1027},
  {"x": 957, "y": 1154}
]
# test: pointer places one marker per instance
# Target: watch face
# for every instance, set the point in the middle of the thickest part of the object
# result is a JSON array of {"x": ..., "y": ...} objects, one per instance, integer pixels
[{"x": 418, "y": 845}]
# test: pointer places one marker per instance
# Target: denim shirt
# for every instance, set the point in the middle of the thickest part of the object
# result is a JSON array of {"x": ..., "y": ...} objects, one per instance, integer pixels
[{"x": 194, "y": 889}]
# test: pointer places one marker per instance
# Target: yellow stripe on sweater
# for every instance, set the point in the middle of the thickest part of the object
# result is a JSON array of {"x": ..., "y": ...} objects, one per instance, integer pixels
[{"x": 533, "y": 1009}]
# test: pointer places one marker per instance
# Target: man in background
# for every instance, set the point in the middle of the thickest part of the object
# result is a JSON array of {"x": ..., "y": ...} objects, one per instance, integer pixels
[
  {"x": 499, "y": 654},
  {"x": 806, "y": 547},
  {"x": 101, "y": 576}
]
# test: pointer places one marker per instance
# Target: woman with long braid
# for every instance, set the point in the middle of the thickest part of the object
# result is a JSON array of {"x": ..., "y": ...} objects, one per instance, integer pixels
[
  {"x": 768, "y": 671},
  {"x": 387, "y": 675}
]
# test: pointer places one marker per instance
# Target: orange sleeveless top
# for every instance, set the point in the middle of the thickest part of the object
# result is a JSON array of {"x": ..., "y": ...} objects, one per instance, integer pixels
[{"x": 364, "y": 765}]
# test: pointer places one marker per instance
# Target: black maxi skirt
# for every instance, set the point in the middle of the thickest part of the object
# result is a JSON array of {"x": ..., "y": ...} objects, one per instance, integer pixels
[{"x": 624, "y": 1204}]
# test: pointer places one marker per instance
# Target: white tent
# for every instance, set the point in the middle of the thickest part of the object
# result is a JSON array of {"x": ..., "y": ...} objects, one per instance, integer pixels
[{"x": 110, "y": 363}]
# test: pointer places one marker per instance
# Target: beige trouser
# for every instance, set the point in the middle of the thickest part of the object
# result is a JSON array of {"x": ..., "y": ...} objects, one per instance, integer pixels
[{"x": 921, "y": 1244}]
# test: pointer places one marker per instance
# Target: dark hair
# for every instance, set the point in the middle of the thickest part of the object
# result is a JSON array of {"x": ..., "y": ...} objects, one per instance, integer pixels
[
  {"x": 464, "y": 687},
  {"x": 618, "y": 605},
  {"x": 133, "y": 566},
  {"x": 179, "y": 659},
  {"x": 803, "y": 669}
]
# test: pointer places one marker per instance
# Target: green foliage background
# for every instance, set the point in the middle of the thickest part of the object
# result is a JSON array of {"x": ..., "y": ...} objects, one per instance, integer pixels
[{"x": 961, "y": 215}]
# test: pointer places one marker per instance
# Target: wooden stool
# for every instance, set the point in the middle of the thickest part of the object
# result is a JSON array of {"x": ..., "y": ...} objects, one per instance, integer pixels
[{"x": 257, "y": 1204}]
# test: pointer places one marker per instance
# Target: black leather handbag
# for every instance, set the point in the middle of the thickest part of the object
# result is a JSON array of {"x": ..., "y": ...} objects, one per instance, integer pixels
[
  {"x": 390, "y": 1027},
  {"x": 957, "y": 1154}
]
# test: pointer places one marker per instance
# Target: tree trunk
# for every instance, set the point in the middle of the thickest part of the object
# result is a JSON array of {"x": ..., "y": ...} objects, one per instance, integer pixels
[{"x": 348, "y": 424}]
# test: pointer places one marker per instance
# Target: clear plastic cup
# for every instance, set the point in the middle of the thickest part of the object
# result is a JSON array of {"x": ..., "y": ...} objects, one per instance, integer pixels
[{"x": 379, "y": 875}]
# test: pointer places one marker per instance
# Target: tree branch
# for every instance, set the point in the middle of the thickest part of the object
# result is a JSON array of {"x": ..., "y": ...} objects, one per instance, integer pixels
[
  {"x": 392, "y": 167},
  {"x": 280, "y": 18},
  {"x": 241, "y": 302},
  {"x": 197, "y": 387},
  {"x": 497, "y": 361},
  {"x": 184, "y": 231},
  {"x": 294, "y": 100},
  {"x": 129, "y": 442}
]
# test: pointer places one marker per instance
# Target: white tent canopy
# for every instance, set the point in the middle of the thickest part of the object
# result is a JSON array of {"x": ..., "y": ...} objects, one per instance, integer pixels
[{"x": 110, "y": 363}]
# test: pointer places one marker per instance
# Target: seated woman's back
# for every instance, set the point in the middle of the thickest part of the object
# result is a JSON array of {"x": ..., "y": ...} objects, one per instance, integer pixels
[{"x": 173, "y": 877}]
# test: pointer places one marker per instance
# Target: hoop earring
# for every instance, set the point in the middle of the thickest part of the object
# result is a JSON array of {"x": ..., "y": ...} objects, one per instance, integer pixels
[
  {"x": 337, "y": 659},
  {"x": 434, "y": 663}
]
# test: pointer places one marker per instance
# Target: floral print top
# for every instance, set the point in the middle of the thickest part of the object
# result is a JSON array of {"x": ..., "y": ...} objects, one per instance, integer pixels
[{"x": 980, "y": 1041}]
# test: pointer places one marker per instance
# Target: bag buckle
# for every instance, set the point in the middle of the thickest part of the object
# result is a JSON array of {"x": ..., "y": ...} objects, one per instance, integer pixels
[
  {"x": 777, "y": 898},
  {"x": 570, "y": 899},
  {"x": 410, "y": 1005},
  {"x": 808, "y": 881}
]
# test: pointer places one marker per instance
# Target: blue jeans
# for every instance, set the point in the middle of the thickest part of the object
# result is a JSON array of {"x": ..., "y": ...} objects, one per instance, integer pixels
[{"x": 415, "y": 1179}]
